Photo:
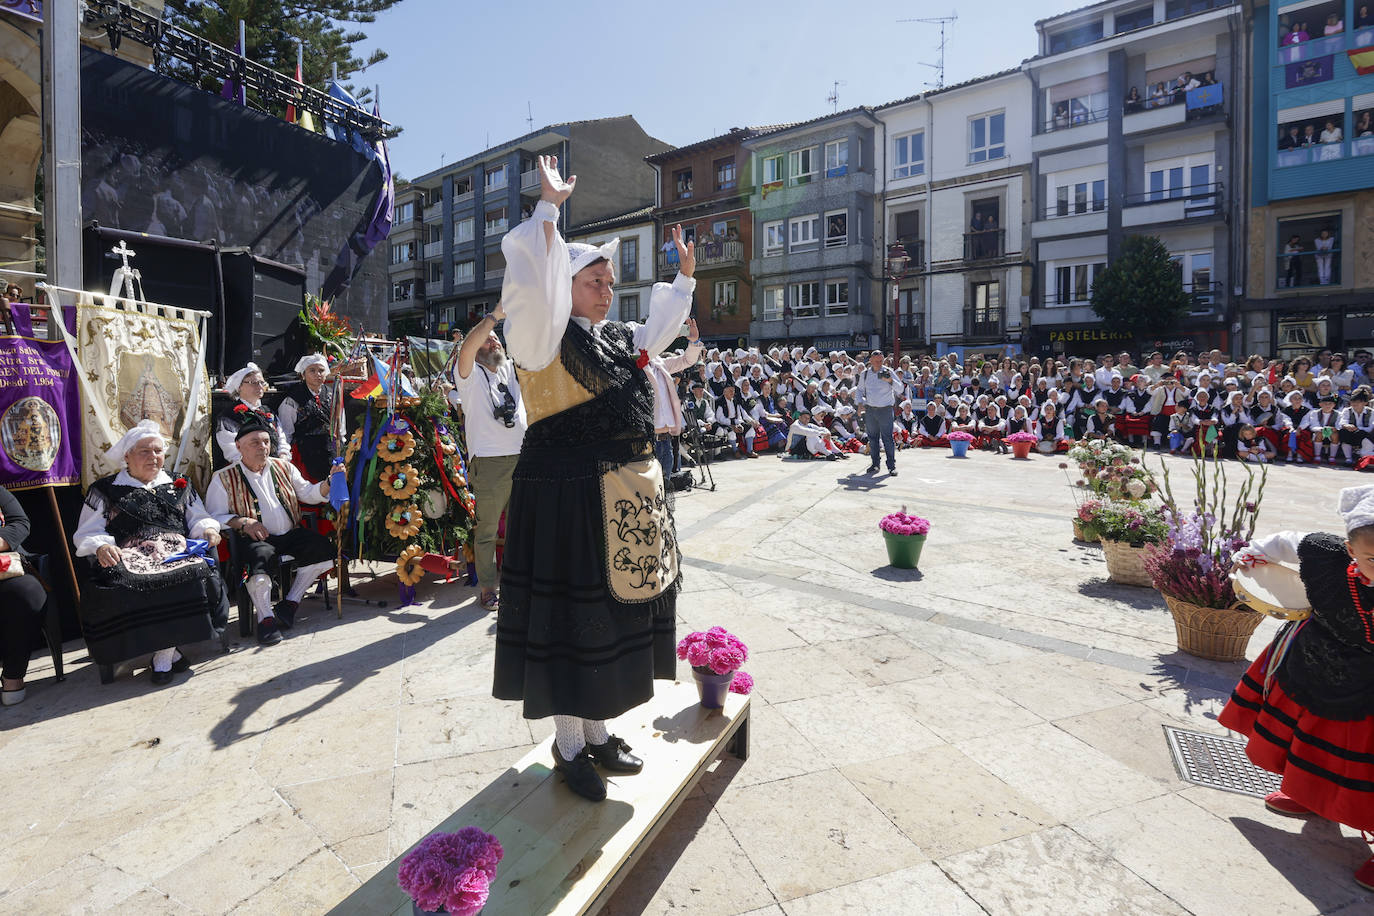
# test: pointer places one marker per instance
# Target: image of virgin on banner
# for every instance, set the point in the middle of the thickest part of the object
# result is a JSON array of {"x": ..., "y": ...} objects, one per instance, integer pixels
[{"x": 40, "y": 415}]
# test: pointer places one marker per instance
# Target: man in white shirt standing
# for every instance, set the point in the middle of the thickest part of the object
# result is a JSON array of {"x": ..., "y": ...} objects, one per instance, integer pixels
[
  {"x": 879, "y": 389},
  {"x": 667, "y": 407},
  {"x": 258, "y": 497},
  {"x": 494, "y": 415}
]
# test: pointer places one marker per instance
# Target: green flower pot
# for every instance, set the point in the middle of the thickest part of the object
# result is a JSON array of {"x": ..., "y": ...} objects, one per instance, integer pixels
[{"x": 904, "y": 550}]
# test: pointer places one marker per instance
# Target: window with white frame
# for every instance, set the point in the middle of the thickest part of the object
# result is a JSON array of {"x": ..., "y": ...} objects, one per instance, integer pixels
[
  {"x": 837, "y": 297},
  {"x": 1171, "y": 179},
  {"x": 1081, "y": 197},
  {"x": 496, "y": 222},
  {"x": 987, "y": 137},
  {"x": 802, "y": 165},
  {"x": 725, "y": 173},
  {"x": 725, "y": 293},
  {"x": 405, "y": 213},
  {"x": 774, "y": 239},
  {"x": 402, "y": 253},
  {"x": 806, "y": 299},
  {"x": 463, "y": 271},
  {"x": 772, "y": 303},
  {"x": 803, "y": 231},
  {"x": 629, "y": 260},
  {"x": 1069, "y": 284},
  {"x": 682, "y": 184},
  {"x": 836, "y": 228},
  {"x": 400, "y": 292},
  {"x": 629, "y": 307},
  {"x": 1195, "y": 271},
  {"x": 496, "y": 178},
  {"x": 772, "y": 170},
  {"x": 836, "y": 158},
  {"x": 462, "y": 230},
  {"x": 909, "y": 155}
]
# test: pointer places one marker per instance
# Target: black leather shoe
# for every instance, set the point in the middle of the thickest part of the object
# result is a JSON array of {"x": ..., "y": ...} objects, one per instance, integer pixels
[
  {"x": 615, "y": 756},
  {"x": 268, "y": 634},
  {"x": 181, "y": 665},
  {"x": 285, "y": 614},
  {"x": 580, "y": 775},
  {"x": 161, "y": 678}
]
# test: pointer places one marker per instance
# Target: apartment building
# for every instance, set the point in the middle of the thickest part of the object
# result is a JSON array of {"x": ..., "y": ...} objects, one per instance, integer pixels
[
  {"x": 954, "y": 180},
  {"x": 634, "y": 265},
  {"x": 472, "y": 203},
  {"x": 815, "y": 262},
  {"x": 1135, "y": 105},
  {"x": 1309, "y": 282},
  {"x": 405, "y": 301}
]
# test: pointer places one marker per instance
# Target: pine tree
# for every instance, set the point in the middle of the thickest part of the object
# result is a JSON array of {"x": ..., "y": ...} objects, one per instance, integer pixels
[{"x": 1141, "y": 292}]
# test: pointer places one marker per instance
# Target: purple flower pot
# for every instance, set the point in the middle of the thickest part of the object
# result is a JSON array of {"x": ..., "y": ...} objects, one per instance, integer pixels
[{"x": 712, "y": 687}]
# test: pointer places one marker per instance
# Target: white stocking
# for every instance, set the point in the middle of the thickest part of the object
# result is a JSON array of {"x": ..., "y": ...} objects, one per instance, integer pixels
[
  {"x": 567, "y": 732},
  {"x": 260, "y": 590},
  {"x": 163, "y": 658},
  {"x": 595, "y": 731},
  {"x": 305, "y": 577}
]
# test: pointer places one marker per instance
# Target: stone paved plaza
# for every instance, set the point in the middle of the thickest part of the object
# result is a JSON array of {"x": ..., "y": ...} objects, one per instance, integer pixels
[{"x": 983, "y": 736}]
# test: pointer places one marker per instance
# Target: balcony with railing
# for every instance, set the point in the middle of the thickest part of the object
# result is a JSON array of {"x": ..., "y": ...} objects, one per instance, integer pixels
[
  {"x": 1203, "y": 201},
  {"x": 434, "y": 249},
  {"x": 529, "y": 181},
  {"x": 1205, "y": 296},
  {"x": 463, "y": 197},
  {"x": 1174, "y": 107},
  {"x": 915, "y": 251},
  {"x": 494, "y": 275},
  {"x": 985, "y": 244},
  {"x": 1071, "y": 217},
  {"x": 494, "y": 227},
  {"x": 1308, "y": 269},
  {"x": 434, "y": 212},
  {"x": 986, "y": 323}
]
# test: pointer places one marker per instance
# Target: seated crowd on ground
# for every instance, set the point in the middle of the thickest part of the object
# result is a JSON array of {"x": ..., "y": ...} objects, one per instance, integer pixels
[{"x": 802, "y": 402}]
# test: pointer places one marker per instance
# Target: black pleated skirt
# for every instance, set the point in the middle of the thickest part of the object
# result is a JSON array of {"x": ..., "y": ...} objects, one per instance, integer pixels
[
  {"x": 178, "y": 608},
  {"x": 564, "y": 644}
]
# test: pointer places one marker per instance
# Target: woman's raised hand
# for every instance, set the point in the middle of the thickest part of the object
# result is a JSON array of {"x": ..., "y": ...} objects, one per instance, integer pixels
[
  {"x": 555, "y": 189},
  {"x": 686, "y": 253}
]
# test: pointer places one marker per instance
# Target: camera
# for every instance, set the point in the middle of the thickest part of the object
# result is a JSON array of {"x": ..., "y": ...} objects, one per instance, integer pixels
[{"x": 505, "y": 411}]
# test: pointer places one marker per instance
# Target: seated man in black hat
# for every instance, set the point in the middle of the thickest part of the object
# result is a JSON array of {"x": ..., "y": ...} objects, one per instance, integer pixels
[{"x": 258, "y": 497}]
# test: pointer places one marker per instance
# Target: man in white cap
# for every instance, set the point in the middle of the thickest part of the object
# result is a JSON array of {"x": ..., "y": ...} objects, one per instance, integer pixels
[
  {"x": 258, "y": 497},
  {"x": 304, "y": 417},
  {"x": 494, "y": 417},
  {"x": 248, "y": 386}
]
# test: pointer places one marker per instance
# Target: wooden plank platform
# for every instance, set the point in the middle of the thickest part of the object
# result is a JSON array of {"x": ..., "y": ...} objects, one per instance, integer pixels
[{"x": 566, "y": 855}]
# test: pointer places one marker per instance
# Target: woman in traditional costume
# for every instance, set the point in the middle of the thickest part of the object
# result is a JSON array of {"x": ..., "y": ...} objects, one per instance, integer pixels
[
  {"x": 304, "y": 418},
  {"x": 1307, "y": 703},
  {"x": 590, "y": 580},
  {"x": 248, "y": 385},
  {"x": 132, "y": 527}
]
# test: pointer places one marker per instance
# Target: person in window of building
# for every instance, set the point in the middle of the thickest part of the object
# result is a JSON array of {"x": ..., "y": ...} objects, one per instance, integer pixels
[
  {"x": 304, "y": 418},
  {"x": 131, "y": 524},
  {"x": 1363, "y": 17},
  {"x": 1134, "y": 102},
  {"x": 1334, "y": 24},
  {"x": 1291, "y": 138},
  {"x": 590, "y": 578},
  {"x": 21, "y": 600},
  {"x": 1324, "y": 243},
  {"x": 1331, "y": 132},
  {"x": 1310, "y": 137},
  {"x": 1306, "y": 704},
  {"x": 1061, "y": 117},
  {"x": 1298, "y": 35},
  {"x": 494, "y": 417},
  {"x": 1183, "y": 84},
  {"x": 1292, "y": 266},
  {"x": 248, "y": 385},
  {"x": 975, "y": 227},
  {"x": 1364, "y": 124},
  {"x": 258, "y": 497},
  {"x": 1160, "y": 96}
]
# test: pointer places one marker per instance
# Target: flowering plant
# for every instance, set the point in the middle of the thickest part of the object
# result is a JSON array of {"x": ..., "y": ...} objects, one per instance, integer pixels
[
  {"x": 451, "y": 871},
  {"x": 901, "y": 523},
  {"x": 1131, "y": 522},
  {"x": 717, "y": 651},
  {"x": 1193, "y": 563},
  {"x": 326, "y": 328},
  {"x": 1088, "y": 509},
  {"x": 1111, "y": 470},
  {"x": 241, "y": 408},
  {"x": 959, "y": 436},
  {"x": 1021, "y": 437}
]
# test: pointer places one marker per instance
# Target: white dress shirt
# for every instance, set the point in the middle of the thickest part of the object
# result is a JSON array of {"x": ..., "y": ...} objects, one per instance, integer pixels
[
  {"x": 90, "y": 534},
  {"x": 488, "y": 437},
  {"x": 273, "y": 514}
]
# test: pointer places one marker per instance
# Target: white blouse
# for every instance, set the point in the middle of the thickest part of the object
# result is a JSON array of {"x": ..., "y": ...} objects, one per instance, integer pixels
[{"x": 90, "y": 534}]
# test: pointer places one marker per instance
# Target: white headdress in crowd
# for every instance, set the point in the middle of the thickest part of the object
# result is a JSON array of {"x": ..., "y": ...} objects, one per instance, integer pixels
[
  {"x": 313, "y": 359},
  {"x": 235, "y": 380},
  {"x": 146, "y": 429},
  {"x": 584, "y": 255},
  {"x": 1356, "y": 506}
]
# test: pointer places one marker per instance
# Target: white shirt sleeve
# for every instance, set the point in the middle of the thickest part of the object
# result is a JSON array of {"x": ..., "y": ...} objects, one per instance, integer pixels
[
  {"x": 306, "y": 491},
  {"x": 90, "y": 534},
  {"x": 217, "y": 501},
  {"x": 199, "y": 522},
  {"x": 675, "y": 364},
  {"x": 537, "y": 290},
  {"x": 669, "y": 305},
  {"x": 227, "y": 445},
  {"x": 1280, "y": 547}
]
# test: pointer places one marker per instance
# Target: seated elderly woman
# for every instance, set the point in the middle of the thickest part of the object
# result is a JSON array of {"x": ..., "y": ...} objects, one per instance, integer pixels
[
  {"x": 21, "y": 600},
  {"x": 148, "y": 592},
  {"x": 248, "y": 385}
]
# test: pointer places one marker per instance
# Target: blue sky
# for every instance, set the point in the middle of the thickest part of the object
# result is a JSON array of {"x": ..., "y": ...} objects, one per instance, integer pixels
[{"x": 460, "y": 74}]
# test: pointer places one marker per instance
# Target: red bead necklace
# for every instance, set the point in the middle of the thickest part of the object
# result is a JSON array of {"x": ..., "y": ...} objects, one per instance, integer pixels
[{"x": 1353, "y": 577}]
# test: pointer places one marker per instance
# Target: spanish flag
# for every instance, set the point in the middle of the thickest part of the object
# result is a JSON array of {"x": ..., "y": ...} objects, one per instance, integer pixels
[
  {"x": 1362, "y": 59},
  {"x": 378, "y": 385}
]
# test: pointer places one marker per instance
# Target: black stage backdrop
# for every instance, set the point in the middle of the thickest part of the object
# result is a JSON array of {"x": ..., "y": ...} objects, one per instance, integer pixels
[{"x": 162, "y": 157}]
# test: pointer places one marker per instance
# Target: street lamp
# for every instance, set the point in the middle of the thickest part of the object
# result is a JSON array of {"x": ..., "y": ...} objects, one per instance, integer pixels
[
  {"x": 895, "y": 265},
  {"x": 787, "y": 324}
]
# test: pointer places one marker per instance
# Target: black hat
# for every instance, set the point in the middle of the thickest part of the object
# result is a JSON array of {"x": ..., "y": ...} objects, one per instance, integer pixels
[
  {"x": 698, "y": 383},
  {"x": 254, "y": 424}
]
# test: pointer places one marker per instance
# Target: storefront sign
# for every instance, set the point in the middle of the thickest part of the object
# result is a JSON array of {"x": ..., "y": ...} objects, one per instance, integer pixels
[{"x": 40, "y": 415}]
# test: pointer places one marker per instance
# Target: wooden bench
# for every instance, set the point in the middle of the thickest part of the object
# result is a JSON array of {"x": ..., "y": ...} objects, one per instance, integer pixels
[{"x": 566, "y": 855}]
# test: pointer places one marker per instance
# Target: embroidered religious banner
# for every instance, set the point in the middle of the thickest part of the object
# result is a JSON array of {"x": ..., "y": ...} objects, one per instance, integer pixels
[
  {"x": 140, "y": 361},
  {"x": 40, "y": 415}
]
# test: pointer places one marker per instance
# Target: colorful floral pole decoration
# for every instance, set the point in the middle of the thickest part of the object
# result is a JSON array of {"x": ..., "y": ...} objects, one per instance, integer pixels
[
  {"x": 403, "y": 522},
  {"x": 399, "y": 481},
  {"x": 397, "y": 446}
]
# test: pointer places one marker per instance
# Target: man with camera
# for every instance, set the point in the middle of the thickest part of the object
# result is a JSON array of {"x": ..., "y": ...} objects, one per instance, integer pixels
[
  {"x": 495, "y": 421},
  {"x": 879, "y": 388}
]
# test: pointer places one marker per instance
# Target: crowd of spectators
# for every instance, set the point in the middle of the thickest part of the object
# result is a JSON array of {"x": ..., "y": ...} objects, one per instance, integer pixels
[
  {"x": 1167, "y": 92},
  {"x": 742, "y": 402}
]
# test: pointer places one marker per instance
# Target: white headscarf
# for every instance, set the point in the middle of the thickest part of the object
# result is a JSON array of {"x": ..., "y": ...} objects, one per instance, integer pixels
[
  {"x": 236, "y": 380},
  {"x": 146, "y": 429},
  {"x": 305, "y": 362},
  {"x": 1356, "y": 506},
  {"x": 584, "y": 255}
]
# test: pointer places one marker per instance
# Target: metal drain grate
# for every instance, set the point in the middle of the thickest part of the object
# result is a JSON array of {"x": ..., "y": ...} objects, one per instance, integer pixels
[{"x": 1218, "y": 763}]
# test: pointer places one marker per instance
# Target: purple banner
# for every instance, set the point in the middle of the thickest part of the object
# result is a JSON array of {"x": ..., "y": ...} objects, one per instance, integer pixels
[
  {"x": 1316, "y": 70},
  {"x": 29, "y": 9},
  {"x": 40, "y": 415}
]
